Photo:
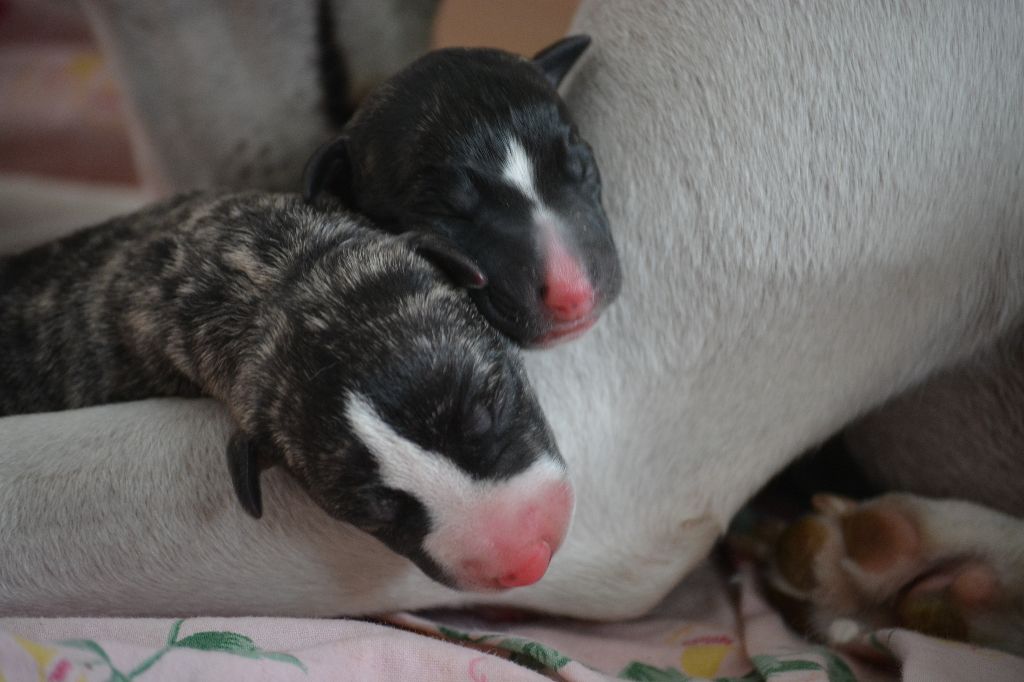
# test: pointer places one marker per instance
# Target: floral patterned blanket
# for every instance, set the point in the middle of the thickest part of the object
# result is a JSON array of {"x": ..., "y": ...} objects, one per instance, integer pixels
[{"x": 712, "y": 627}]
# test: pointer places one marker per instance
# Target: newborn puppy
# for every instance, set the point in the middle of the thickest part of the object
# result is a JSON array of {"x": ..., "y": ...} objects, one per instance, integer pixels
[
  {"x": 342, "y": 353},
  {"x": 475, "y": 145}
]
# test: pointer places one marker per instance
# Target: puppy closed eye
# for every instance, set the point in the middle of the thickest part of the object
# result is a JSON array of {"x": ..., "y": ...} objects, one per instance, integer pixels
[
  {"x": 576, "y": 157},
  {"x": 478, "y": 422},
  {"x": 376, "y": 508},
  {"x": 574, "y": 165},
  {"x": 458, "y": 194},
  {"x": 483, "y": 418}
]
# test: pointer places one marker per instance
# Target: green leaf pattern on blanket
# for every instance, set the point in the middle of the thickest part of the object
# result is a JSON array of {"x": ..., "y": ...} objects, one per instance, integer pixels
[
  {"x": 644, "y": 672},
  {"x": 766, "y": 668},
  {"x": 233, "y": 643},
  {"x": 91, "y": 646},
  {"x": 545, "y": 656},
  {"x": 538, "y": 657},
  {"x": 525, "y": 652},
  {"x": 836, "y": 667},
  {"x": 223, "y": 642}
]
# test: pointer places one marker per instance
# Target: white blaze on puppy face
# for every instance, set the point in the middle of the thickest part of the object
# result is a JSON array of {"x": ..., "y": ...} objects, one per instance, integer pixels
[
  {"x": 481, "y": 529},
  {"x": 517, "y": 170},
  {"x": 404, "y": 465},
  {"x": 568, "y": 293}
]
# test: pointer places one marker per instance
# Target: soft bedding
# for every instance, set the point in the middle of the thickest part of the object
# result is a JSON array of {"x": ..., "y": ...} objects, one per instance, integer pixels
[
  {"x": 712, "y": 626},
  {"x": 715, "y": 625}
]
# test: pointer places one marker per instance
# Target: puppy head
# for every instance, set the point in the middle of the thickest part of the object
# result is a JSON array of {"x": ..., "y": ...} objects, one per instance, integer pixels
[
  {"x": 463, "y": 451},
  {"x": 475, "y": 145},
  {"x": 424, "y": 432}
]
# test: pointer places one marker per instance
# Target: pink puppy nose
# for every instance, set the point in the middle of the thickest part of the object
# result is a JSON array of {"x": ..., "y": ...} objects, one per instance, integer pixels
[
  {"x": 567, "y": 292},
  {"x": 567, "y": 301},
  {"x": 507, "y": 537},
  {"x": 532, "y": 566}
]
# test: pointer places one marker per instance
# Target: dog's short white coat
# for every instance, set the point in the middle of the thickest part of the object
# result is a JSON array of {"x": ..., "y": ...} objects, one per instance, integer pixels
[{"x": 816, "y": 206}]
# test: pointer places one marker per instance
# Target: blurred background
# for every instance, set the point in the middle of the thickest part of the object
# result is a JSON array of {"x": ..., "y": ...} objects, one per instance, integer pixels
[
  {"x": 60, "y": 109},
  {"x": 522, "y": 26}
]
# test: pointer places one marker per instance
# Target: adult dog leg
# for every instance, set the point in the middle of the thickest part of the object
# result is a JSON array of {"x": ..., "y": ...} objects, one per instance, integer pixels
[
  {"x": 127, "y": 510},
  {"x": 240, "y": 94}
]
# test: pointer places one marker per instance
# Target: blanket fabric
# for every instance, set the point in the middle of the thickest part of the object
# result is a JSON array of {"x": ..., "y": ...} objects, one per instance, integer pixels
[{"x": 711, "y": 628}]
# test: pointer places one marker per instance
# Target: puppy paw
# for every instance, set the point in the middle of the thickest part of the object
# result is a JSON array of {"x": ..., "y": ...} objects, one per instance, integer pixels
[{"x": 946, "y": 568}]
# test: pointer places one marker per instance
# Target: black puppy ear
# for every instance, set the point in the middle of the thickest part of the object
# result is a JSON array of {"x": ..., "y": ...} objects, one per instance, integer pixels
[
  {"x": 329, "y": 167},
  {"x": 556, "y": 60},
  {"x": 244, "y": 465},
  {"x": 461, "y": 268}
]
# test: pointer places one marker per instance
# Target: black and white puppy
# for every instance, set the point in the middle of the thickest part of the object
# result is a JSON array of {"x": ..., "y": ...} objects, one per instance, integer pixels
[
  {"x": 475, "y": 145},
  {"x": 342, "y": 353}
]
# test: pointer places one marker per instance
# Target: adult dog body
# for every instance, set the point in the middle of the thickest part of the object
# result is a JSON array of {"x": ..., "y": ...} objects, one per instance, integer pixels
[{"x": 815, "y": 208}]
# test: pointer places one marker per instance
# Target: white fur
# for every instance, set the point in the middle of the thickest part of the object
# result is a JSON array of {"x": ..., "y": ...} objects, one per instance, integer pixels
[
  {"x": 517, "y": 169},
  {"x": 815, "y": 206},
  {"x": 431, "y": 478},
  {"x": 195, "y": 52},
  {"x": 404, "y": 465}
]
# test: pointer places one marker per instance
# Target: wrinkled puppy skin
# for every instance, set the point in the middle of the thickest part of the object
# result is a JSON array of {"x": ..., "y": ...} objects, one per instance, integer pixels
[
  {"x": 290, "y": 315},
  {"x": 476, "y": 146}
]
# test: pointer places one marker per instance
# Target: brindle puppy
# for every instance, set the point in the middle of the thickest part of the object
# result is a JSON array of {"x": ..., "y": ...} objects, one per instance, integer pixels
[{"x": 343, "y": 355}]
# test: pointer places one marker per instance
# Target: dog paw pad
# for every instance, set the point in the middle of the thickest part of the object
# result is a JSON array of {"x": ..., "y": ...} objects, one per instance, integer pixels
[
  {"x": 797, "y": 549},
  {"x": 941, "y": 567},
  {"x": 878, "y": 539}
]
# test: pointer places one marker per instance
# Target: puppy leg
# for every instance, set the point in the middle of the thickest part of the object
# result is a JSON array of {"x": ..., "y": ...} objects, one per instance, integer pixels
[{"x": 944, "y": 567}]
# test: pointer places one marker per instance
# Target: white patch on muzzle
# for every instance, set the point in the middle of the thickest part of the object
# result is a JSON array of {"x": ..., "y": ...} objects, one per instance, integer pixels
[{"x": 454, "y": 500}]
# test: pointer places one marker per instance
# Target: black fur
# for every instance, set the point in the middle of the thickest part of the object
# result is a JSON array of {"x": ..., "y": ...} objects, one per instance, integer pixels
[
  {"x": 333, "y": 70},
  {"x": 557, "y": 59},
  {"x": 282, "y": 311},
  {"x": 424, "y": 153}
]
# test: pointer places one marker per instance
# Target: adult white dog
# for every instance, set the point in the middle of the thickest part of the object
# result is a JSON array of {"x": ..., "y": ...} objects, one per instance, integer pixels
[{"x": 816, "y": 207}]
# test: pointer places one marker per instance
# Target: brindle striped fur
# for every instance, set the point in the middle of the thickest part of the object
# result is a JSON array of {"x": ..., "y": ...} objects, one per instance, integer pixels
[{"x": 282, "y": 311}]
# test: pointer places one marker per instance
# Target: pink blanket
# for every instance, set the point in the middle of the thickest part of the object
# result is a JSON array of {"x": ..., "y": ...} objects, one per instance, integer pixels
[
  {"x": 709, "y": 628},
  {"x": 61, "y": 117}
]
